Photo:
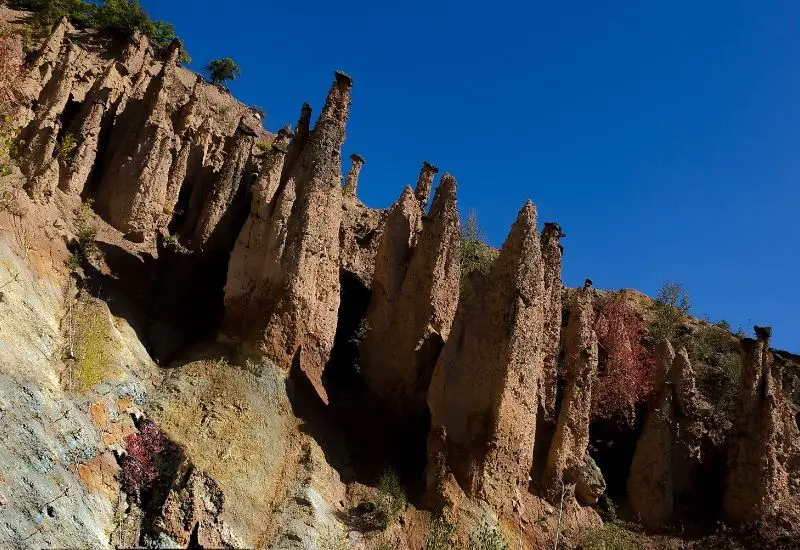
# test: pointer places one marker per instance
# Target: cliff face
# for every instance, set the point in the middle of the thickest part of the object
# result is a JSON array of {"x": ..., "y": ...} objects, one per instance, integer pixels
[{"x": 229, "y": 252}]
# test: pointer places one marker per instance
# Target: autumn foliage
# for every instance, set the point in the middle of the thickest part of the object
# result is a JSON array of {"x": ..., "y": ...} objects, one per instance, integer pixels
[
  {"x": 626, "y": 376},
  {"x": 139, "y": 469}
]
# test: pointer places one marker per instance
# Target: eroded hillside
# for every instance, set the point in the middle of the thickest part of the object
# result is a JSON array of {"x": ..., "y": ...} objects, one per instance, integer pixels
[{"x": 208, "y": 340}]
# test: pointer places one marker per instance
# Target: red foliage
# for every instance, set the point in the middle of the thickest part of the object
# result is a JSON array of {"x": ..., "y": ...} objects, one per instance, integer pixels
[
  {"x": 138, "y": 466},
  {"x": 626, "y": 377}
]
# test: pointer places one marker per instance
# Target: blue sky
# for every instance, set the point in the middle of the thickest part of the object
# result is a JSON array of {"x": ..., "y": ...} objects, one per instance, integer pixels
[{"x": 663, "y": 136}]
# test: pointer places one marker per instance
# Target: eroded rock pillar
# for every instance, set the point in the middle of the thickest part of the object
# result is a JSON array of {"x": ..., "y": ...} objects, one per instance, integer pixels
[
  {"x": 415, "y": 294},
  {"x": 425, "y": 182},
  {"x": 570, "y": 442},
  {"x": 757, "y": 478},
  {"x": 551, "y": 339},
  {"x": 351, "y": 182},
  {"x": 483, "y": 394}
]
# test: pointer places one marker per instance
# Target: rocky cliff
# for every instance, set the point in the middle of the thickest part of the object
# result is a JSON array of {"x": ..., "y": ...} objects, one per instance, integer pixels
[{"x": 192, "y": 363}]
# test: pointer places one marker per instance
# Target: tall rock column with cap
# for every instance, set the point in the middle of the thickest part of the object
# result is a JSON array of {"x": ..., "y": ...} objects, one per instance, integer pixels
[
  {"x": 410, "y": 318},
  {"x": 294, "y": 310},
  {"x": 425, "y": 182},
  {"x": 351, "y": 183},
  {"x": 757, "y": 479},
  {"x": 552, "y": 252},
  {"x": 571, "y": 439},
  {"x": 483, "y": 395}
]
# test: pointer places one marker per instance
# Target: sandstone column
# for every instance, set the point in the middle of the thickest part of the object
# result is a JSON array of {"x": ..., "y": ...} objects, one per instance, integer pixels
[
  {"x": 425, "y": 182},
  {"x": 351, "y": 183},
  {"x": 410, "y": 317},
  {"x": 571, "y": 439},
  {"x": 483, "y": 395},
  {"x": 757, "y": 479},
  {"x": 293, "y": 313},
  {"x": 551, "y": 339}
]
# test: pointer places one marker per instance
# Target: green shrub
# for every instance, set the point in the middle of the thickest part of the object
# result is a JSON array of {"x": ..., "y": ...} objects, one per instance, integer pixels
[
  {"x": 222, "y": 69},
  {"x": 120, "y": 17},
  {"x": 671, "y": 308},
  {"x": 608, "y": 537},
  {"x": 442, "y": 535},
  {"x": 487, "y": 538},
  {"x": 716, "y": 358},
  {"x": 67, "y": 146},
  {"x": 85, "y": 248},
  {"x": 476, "y": 255},
  {"x": 391, "y": 497}
]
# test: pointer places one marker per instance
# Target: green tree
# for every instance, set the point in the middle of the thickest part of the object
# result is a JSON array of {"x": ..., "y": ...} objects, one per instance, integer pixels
[
  {"x": 671, "y": 307},
  {"x": 476, "y": 255},
  {"x": 222, "y": 69}
]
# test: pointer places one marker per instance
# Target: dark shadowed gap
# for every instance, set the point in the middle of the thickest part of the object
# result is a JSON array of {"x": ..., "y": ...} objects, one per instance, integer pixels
[
  {"x": 67, "y": 116},
  {"x": 102, "y": 157},
  {"x": 194, "y": 543},
  {"x": 612, "y": 443}
]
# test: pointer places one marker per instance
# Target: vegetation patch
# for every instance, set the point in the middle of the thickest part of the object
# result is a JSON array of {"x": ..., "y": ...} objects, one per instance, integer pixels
[
  {"x": 119, "y": 17},
  {"x": 442, "y": 534},
  {"x": 84, "y": 249},
  {"x": 610, "y": 536},
  {"x": 671, "y": 308},
  {"x": 487, "y": 538},
  {"x": 139, "y": 470},
  {"x": 91, "y": 345},
  {"x": 717, "y": 361},
  {"x": 223, "y": 69},
  {"x": 476, "y": 255}
]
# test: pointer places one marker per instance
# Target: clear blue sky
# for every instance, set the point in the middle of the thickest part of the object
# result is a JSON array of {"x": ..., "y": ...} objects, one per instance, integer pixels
[{"x": 663, "y": 136}]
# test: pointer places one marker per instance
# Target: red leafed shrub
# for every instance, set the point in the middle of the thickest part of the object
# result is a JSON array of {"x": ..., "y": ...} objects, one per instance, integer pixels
[
  {"x": 626, "y": 376},
  {"x": 138, "y": 466}
]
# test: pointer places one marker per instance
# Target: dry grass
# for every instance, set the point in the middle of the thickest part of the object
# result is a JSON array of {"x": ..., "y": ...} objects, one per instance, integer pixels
[{"x": 92, "y": 347}]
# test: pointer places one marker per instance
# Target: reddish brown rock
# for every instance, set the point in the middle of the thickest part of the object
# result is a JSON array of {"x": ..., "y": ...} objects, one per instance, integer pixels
[
  {"x": 211, "y": 229},
  {"x": 292, "y": 315},
  {"x": 133, "y": 192},
  {"x": 485, "y": 386},
  {"x": 410, "y": 316},
  {"x": 551, "y": 338},
  {"x": 246, "y": 262},
  {"x": 570, "y": 442},
  {"x": 351, "y": 183},
  {"x": 668, "y": 450},
  {"x": 757, "y": 480},
  {"x": 40, "y": 138}
]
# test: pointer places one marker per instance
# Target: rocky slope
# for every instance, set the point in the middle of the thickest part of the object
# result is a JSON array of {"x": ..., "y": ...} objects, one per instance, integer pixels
[{"x": 231, "y": 348}]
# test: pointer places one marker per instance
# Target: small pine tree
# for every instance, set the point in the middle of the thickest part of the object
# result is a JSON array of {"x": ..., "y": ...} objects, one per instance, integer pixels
[{"x": 222, "y": 69}]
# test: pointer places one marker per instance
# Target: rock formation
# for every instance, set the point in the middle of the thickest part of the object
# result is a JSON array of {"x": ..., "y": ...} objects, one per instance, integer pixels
[
  {"x": 571, "y": 439},
  {"x": 668, "y": 451},
  {"x": 415, "y": 294},
  {"x": 40, "y": 138},
  {"x": 245, "y": 265},
  {"x": 757, "y": 479},
  {"x": 293, "y": 310},
  {"x": 484, "y": 390},
  {"x": 351, "y": 183},
  {"x": 425, "y": 182},
  {"x": 214, "y": 224},
  {"x": 551, "y": 339}
]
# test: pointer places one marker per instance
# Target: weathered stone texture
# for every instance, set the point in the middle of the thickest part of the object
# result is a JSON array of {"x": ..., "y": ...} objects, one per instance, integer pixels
[
  {"x": 246, "y": 262},
  {"x": 211, "y": 228},
  {"x": 757, "y": 480},
  {"x": 485, "y": 386},
  {"x": 351, "y": 182},
  {"x": 406, "y": 332},
  {"x": 293, "y": 312},
  {"x": 571, "y": 439},
  {"x": 40, "y": 137},
  {"x": 425, "y": 182},
  {"x": 551, "y": 338},
  {"x": 668, "y": 450}
]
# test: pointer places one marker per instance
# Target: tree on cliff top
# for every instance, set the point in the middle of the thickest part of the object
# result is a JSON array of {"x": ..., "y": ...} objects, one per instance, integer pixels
[{"x": 222, "y": 69}]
